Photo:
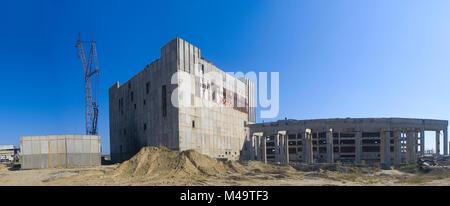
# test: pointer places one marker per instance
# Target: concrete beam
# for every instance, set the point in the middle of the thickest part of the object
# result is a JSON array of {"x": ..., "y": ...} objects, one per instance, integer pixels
[{"x": 348, "y": 123}]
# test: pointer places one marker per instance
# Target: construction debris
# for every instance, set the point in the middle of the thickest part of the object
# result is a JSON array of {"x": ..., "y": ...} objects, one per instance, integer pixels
[{"x": 428, "y": 163}]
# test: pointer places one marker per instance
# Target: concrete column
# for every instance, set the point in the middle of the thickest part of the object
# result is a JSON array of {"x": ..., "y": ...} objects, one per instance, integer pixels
[
  {"x": 330, "y": 156},
  {"x": 248, "y": 146},
  {"x": 410, "y": 147},
  {"x": 281, "y": 148},
  {"x": 414, "y": 147},
  {"x": 277, "y": 147},
  {"x": 358, "y": 146},
  {"x": 445, "y": 141},
  {"x": 307, "y": 147},
  {"x": 264, "y": 149},
  {"x": 438, "y": 143},
  {"x": 382, "y": 138},
  {"x": 315, "y": 154},
  {"x": 422, "y": 141},
  {"x": 286, "y": 151},
  {"x": 257, "y": 155},
  {"x": 397, "y": 149},
  {"x": 339, "y": 141},
  {"x": 416, "y": 143},
  {"x": 385, "y": 149},
  {"x": 304, "y": 148},
  {"x": 282, "y": 156},
  {"x": 256, "y": 148}
]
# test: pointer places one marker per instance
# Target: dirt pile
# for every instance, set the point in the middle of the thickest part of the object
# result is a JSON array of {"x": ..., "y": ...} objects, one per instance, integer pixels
[{"x": 153, "y": 162}]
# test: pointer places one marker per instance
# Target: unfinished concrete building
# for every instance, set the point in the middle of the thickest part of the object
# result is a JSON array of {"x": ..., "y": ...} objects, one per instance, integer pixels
[
  {"x": 8, "y": 152},
  {"x": 211, "y": 116},
  {"x": 365, "y": 141}
]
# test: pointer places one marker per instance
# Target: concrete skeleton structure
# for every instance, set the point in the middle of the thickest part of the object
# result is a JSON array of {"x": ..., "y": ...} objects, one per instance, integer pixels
[
  {"x": 364, "y": 141},
  {"x": 59, "y": 151},
  {"x": 211, "y": 116},
  {"x": 8, "y": 152}
]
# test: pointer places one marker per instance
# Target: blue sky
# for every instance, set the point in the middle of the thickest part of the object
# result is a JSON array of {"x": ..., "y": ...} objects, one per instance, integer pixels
[{"x": 380, "y": 58}]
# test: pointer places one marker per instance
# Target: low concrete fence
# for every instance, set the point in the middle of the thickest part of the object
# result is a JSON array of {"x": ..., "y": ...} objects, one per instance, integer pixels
[{"x": 59, "y": 151}]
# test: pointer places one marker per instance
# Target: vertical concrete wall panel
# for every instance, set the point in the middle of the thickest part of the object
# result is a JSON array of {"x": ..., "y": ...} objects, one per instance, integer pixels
[
  {"x": 35, "y": 147},
  {"x": 95, "y": 146},
  {"x": 26, "y": 147},
  {"x": 86, "y": 145},
  {"x": 60, "y": 151},
  {"x": 61, "y": 146}
]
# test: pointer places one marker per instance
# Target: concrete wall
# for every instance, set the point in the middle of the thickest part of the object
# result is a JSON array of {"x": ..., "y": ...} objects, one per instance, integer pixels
[
  {"x": 136, "y": 109},
  {"x": 59, "y": 151},
  {"x": 216, "y": 130},
  {"x": 210, "y": 122}
]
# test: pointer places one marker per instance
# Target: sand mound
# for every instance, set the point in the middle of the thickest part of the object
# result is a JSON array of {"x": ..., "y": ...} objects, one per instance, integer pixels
[{"x": 155, "y": 162}]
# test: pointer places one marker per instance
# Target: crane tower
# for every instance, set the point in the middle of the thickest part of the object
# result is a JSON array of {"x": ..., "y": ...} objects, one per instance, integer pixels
[{"x": 91, "y": 73}]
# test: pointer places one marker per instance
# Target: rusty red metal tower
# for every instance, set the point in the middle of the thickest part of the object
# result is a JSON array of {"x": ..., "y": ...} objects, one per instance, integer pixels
[{"x": 91, "y": 73}]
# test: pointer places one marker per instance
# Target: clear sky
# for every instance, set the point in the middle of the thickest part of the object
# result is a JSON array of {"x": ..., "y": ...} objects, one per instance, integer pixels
[{"x": 336, "y": 59}]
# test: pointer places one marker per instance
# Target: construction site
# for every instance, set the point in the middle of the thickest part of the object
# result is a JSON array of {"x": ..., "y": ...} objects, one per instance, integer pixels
[
  {"x": 154, "y": 142},
  {"x": 68, "y": 150},
  {"x": 162, "y": 167}
]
